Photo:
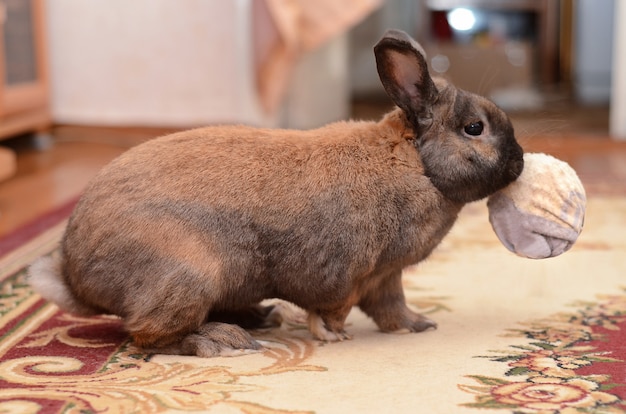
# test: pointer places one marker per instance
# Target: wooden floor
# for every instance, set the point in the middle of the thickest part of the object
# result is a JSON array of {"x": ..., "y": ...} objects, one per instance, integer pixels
[{"x": 50, "y": 176}]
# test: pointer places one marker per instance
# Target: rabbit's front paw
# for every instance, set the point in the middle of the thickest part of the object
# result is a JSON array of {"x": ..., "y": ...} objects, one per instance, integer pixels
[
  {"x": 319, "y": 329},
  {"x": 414, "y": 322},
  {"x": 401, "y": 319}
]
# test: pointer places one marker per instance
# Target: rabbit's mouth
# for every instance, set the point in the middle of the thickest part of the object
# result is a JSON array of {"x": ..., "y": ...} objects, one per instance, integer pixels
[{"x": 515, "y": 164}]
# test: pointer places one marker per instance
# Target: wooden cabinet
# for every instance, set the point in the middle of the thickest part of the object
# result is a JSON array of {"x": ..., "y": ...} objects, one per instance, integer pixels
[
  {"x": 24, "y": 96},
  {"x": 506, "y": 50}
]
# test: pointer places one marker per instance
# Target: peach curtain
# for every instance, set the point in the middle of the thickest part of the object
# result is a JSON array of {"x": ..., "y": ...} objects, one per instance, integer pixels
[{"x": 284, "y": 29}]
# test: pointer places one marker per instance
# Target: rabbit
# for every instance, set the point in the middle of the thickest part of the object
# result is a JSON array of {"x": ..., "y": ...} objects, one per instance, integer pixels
[{"x": 185, "y": 235}]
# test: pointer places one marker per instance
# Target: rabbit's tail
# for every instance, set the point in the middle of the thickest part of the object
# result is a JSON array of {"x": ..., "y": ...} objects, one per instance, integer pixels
[{"x": 45, "y": 277}]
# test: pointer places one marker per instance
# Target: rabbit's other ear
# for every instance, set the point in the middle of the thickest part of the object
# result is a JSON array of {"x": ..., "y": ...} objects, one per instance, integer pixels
[{"x": 403, "y": 71}]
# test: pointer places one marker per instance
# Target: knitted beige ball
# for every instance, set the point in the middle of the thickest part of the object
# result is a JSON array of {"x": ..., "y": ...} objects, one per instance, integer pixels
[{"x": 541, "y": 214}]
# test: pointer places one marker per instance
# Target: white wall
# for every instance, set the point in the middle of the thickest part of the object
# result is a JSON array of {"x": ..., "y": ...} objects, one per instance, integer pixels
[
  {"x": 152, "y": 62},
  {"x": 618, "y": 96},
  {"x": 593, "y": 50}
]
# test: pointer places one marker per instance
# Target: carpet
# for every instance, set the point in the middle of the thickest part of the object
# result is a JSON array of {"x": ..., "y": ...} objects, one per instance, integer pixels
[{"x": 515, "y": 335}]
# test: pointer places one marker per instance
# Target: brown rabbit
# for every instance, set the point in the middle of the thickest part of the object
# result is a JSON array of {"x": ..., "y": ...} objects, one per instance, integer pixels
[{"x": 189, "y": 231}]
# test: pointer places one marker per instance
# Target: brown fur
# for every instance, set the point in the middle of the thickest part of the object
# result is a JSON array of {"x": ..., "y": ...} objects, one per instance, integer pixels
[{"x": 209, "y": 222}]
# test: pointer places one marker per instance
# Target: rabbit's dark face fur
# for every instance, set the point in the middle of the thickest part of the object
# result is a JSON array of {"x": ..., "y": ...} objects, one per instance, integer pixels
[
  {"x": 466, "y": 143},
  {"x": 468, "y": 167},
  {"x": 184, "y": 235}
]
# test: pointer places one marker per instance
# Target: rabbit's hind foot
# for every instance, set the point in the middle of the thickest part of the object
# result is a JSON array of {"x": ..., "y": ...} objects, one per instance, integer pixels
[{"x": 213, "y": 339}]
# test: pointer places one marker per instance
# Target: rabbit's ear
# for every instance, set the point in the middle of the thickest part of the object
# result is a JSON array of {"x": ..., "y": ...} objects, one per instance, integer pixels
[{"x": 403, "y": 71}]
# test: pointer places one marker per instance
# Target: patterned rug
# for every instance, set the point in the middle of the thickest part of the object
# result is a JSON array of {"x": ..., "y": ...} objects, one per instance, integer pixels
[{"x": 515, "y": 335}]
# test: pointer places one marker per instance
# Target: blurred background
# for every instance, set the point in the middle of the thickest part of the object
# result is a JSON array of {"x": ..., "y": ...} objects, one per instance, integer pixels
[
  {"x": 293, "y": 63},
  {"x": 116, "y": 72},
  {"x": 549, "y": 63}
]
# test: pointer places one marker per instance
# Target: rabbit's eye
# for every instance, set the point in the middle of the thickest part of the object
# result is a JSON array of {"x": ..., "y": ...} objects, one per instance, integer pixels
[{"x": 474, "y": 129}]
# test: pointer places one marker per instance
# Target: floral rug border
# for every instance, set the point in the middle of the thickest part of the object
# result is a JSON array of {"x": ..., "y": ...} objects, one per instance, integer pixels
[{"x": 553, "y": 368}]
